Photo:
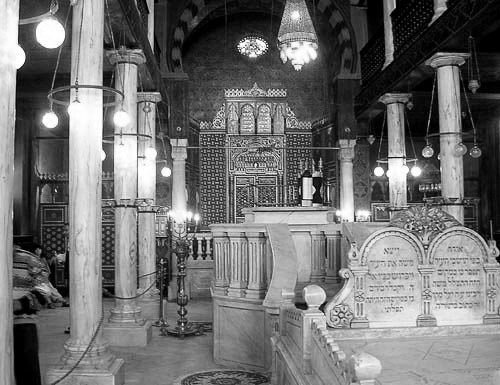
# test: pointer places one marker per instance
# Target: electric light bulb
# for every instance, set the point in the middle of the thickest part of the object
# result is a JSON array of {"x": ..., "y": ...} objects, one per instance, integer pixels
[
  {"x": 75, "y": 108},
  {"x": 150, "y": 153},
  {"x": 389, "y": 173},
  {"x": 121, "y": 118},
  {"x": 475, "y": 152},
  {"x": 166, "y": 172},
  {"x": 196, "y": 217},
  {"x": 103, "y": 155},
  {"x": 50, "y": 119},
  {"x": 416, "y": 171},
  {"x": 19, "y": 56},
  {"x": 427, "y": 151},
  {"x": 295, "y": 15},
  {"x": 460, "y": 149},
  {"x": 50, "y": 33},
  {"x": 378, "y": 171},
  {"x": 404, "y": 169}
]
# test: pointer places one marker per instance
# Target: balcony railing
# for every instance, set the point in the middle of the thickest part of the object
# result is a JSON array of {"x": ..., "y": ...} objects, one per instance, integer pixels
[
  {"x": 409, "y": 19},
  {"x": 373, "y": 56}
]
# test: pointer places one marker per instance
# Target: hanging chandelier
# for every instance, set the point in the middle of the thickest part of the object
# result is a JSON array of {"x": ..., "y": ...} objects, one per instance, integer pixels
[{"x": 297, "y": 40}]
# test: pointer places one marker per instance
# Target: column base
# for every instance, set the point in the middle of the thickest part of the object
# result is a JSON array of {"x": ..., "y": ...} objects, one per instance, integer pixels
[
  {"x": 150, "y": 307},
  {"x": 114, "y": 375},
  {"x": 128, "y": 334},
  {"x": 255, "y": 293},
  {"x": 233, "y": 292}
]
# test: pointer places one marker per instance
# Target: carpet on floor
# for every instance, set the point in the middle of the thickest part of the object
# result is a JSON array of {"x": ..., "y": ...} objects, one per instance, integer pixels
[{"x": 224, "y": 377}]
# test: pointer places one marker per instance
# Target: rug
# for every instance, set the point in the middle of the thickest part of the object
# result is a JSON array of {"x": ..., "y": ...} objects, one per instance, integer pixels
[{"x": 224, "y": 377}]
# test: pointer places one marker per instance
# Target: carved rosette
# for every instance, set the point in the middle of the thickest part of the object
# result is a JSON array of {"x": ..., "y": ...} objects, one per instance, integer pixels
[{"x": 341, "y": 316}]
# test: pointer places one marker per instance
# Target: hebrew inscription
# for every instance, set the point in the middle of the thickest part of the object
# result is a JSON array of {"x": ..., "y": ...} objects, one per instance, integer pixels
[
  {"x": 458, "y": 281},
  {"x": 392, "y": 284}
]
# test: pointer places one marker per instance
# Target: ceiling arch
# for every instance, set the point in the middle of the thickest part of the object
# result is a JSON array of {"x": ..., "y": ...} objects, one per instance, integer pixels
[{"x": 198, "y": 11}]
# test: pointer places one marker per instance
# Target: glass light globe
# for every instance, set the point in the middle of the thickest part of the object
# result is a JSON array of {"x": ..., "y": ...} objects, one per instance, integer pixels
[
  {"x": 121, "y": 118},
  {"x": 378, "y": 171},
  {"x": 75, "y": 108},
  {"x": 50, "y": 33},
  {"x": 475, "y": 152},
  {"x": 389, "y": 173},
  {"x": 427, "y": 151},
  {"x": 50, "y": 119},
  {"x": 460, "y": 149},
  {"x": 166, "y": 171},
  {"x": 150, "y": 153},
  {"x": 19, "y": 56},
  {"x": 404, "y": 169},
  {"x": 416, "y": 171},
  {"x": 103, "y": 155},
  {"x": 196, "y": 217},
  {"x": 147, "y": 108}
]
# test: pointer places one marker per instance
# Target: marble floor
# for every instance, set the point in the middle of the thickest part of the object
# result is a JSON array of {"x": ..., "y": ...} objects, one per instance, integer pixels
[{"x": 161, "y": 362}]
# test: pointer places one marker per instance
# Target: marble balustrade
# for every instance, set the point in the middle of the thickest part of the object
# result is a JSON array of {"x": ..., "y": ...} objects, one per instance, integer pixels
[{"x": 243, "y": 261}]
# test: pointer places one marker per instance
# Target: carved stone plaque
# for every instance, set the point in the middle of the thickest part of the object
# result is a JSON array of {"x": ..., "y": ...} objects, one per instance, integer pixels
[
  {"x": 392, "y": 284},
  {"x": 458, "y": 281},
  {"x": 264, "y": 119},
  {"x": 247, "y": 120}
]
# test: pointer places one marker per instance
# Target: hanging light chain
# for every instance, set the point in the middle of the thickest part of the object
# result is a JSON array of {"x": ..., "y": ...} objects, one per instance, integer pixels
[{"x": 430, "y": 108}]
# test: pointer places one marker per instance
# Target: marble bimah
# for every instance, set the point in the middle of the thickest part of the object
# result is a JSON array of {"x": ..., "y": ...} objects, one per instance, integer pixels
[{"x": 424, "y": 269}]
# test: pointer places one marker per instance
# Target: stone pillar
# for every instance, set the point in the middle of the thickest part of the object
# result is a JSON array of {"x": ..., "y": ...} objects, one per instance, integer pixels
[
  {"x": 317, "y": 256},
  {"x": 126, "y": 326},
  {"x": 396, "y": 104},
  {"x": 439, "y": 7},
  {"x": 9, "y": 18},
  {"x": 98, "y": 366},
  {"x": 450, "y": 127},
  {"x": 333, "y": 255},
  {"x": 179, "y": 198},
  {"x": 346, "y": 156},
  {"x": 388, "y": 7},
  {"x": 238, "y": 280},
  {"x": 151, "y": 23},
  {"x": 221, "y": 249},
  {"x": 256, "y": 265},
  {"x": 146, "y": 189}
]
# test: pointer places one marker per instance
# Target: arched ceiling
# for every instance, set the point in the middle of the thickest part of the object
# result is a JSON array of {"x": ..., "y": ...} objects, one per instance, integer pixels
[{"x": 335, "y": 33}]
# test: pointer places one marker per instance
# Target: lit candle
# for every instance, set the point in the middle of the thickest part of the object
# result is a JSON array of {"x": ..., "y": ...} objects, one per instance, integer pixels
[{"x": 491, "y": 229}]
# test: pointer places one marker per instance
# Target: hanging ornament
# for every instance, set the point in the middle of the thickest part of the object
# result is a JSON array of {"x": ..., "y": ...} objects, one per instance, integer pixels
[
  {"x": 475, "y": 152},
  {"x": 427, "y": 151},
  {"x": 460, "y": 149}
]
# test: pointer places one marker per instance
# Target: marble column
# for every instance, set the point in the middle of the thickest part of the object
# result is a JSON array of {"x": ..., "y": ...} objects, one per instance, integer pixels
[
  {"x": 126, "y": 326},
  {"x": 396, "y": 104},
  {"x": 346, "y": 156},
  {"x": 256, "y": 265},
  {"x": 221, "y": 267},
  {"x": 179, "y": 198},
  {"x": 439, "y": 7},
  {"x": 9, "y": 18},
  {"x": 450, "y": 127},
  {"x": 333, "y": 255},
  {"x": 151, "y": 23},
  {"x": 238, "y": 279},
  {"x": 146, "y": 189},
  {"x": 98, "y": 366},
  {"x": 388, "y": 7},
  {"x": 318, "y": 254}
]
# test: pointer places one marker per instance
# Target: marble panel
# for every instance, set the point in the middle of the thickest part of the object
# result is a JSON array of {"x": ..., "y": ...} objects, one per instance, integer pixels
[{"x": 458, "y": 279}]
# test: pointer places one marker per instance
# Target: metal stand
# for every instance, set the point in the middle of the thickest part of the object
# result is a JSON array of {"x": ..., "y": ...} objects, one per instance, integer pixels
[
  {"x": 161, "y": 322},
  {"x": 183, "y": 328}
]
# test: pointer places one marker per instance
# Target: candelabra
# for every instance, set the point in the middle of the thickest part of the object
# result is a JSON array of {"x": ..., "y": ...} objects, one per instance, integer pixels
[{"x": 180, "y": 240}]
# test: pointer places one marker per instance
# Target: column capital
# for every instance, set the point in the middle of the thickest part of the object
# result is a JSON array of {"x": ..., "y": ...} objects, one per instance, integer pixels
[
  {"x": 132, "y": 56},
  {"x": 441, "y": 59},
  {"x": 346, "y": 152},
  {"x": 394, "y": 97},
  {"x": 179, "y": 149},
  {"x": 148, "y": 97}
]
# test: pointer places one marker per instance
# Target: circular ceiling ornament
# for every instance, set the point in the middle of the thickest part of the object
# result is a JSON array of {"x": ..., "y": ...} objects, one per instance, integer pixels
[{"x": 252, "y": 46}]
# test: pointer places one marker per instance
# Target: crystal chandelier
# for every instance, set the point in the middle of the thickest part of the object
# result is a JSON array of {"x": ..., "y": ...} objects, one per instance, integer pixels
[{"x": 297, "y": 39}]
